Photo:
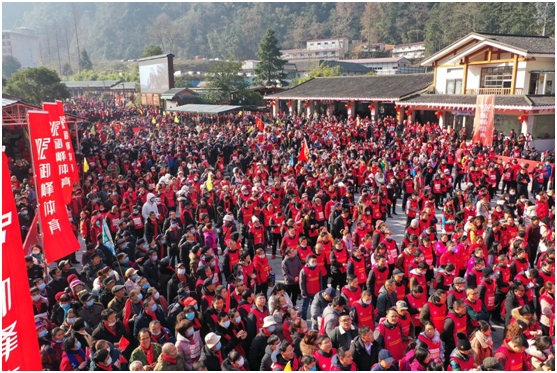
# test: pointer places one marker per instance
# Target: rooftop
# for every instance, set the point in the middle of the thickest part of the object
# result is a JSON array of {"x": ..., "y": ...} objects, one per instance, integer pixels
[
  {"x": 361, "y": 88},
  {"x": 344, "y": 65},
  {"x": 374, "y": 60},
  {"x": 517, "y": 101},
  {"x": 528, "y": 43},
  {"x": 92, "y": 84}
]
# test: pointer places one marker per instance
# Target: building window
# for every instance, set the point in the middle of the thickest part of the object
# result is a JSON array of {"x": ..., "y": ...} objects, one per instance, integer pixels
[
  {"x": 496, "y": 77},
  {"x": 544, "y": 127},
  {"x": 454, "y": 86}
]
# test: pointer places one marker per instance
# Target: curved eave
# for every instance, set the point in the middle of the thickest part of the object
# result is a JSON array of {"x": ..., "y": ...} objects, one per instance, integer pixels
[
  {"x": 334, "y": 98},
  {"x": 473, "y": 106}
]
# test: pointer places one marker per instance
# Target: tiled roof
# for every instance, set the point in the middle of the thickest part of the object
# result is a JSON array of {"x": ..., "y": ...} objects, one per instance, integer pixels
[
  {"x": 92, "y": 84},
  {"x": 470, "y": 100},
  {"x": 363, "y": 88},
  {"x": 528, "y": 43}
]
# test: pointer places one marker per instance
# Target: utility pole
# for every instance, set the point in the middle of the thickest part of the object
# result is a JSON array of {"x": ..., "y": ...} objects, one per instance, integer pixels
[
  {"x": 67, "y": 42},
  {"x": 58, "y": 47},
  {"x": 48, "y": 45},
  {"x": 76, "y": 37}
]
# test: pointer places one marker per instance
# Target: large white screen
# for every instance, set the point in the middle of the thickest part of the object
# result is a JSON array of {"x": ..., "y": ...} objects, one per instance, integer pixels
[{"x": 154, "y": 76}]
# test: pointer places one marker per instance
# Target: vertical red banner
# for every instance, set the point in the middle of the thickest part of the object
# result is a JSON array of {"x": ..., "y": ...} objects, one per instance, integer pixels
[
  {"x": 58, "y": 237},
  {"x": 74, "y": 171},
  {"x": 20, "y": 346},
  {"x": 483, "y": 121}
]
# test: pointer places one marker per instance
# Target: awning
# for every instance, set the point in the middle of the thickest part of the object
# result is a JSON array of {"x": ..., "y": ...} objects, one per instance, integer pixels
[{"x": 205, "y": 109}]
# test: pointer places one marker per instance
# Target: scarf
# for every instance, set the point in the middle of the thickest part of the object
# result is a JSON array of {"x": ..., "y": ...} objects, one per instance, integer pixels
[
  {"x": 484, "y": 340},
  {"x": 168, "y": 360},
  {"x": 73, "y": 358},
  {"x": 109, "y": 329},
  {"x": 149, "y": 354},
  {"x": 107, "y": 368}
]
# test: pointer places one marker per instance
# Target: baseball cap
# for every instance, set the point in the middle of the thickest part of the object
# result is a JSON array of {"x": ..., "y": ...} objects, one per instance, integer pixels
[
  {"x": 331, "y": 292},
  {"x": 401, "y": 305},
  {"x": 386, "y": 356}
]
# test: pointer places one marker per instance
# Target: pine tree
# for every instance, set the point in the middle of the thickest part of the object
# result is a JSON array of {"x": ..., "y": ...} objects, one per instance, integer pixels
[
  {"x": 84, "y": 62},
  {"x": 269, "y": 70}
]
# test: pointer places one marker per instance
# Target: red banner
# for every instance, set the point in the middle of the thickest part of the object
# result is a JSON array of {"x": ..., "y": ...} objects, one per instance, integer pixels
[
  {"x": 20, "y": 347},
  {"x": 531, "y": 164},
  {"x": 483, "y": 121},
  {"x": 58, "y": 237},
  {"x": 74, "y": 171}
]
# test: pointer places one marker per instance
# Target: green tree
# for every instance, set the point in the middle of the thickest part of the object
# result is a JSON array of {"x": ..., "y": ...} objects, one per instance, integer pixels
[
  {"x": 270, "y": 70},
  {"x": 67, "y": 70},
  {"x": 225, "y": 79},
  {"x": 85, "y": 62},
  {"x": 151, "y": 50},
  {"x": 10, "y": 65},
  {"x": 37, "y": 85},
  {"x": 322, "y": 70}
]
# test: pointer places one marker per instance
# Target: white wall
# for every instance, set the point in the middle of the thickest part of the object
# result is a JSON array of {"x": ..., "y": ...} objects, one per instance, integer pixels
[
  {"x": 26, "y": 49},
  {"x": 523, "y": 77}
]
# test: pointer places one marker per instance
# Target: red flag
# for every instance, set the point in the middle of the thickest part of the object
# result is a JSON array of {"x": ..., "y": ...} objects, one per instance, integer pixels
[
  {"x": 483, "y": 121},
  {"x": 58, "y": 237},
  {"x": 260, "y": 124},
  {"x": 304, "y": 152},
  {"x": 33, "y": 238},
  {"x": 136, "y": 130},
  {"x": 20, "y": 347},
  {"x": 62, "y": 155},
  {"x": 74, "y": 171}
]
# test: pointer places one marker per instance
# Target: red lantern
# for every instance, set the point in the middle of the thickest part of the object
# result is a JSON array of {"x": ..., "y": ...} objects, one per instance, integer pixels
[
  {"x": 306, "y": 105},
  {"x": 370, "y": 107},
  {"x": 438, "y": 113},
  {"x": 408, "y": 112},
  {"x": 272, "y": 103},
  {"x": 397, "y": 108},
  {"x": 288, "y": 103},
  {"x": 347, "y": 106}
]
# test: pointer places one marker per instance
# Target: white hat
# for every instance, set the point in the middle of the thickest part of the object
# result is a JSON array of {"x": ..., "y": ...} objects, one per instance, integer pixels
[
  {"x": 268, "y": 321},
  {"x": 211, "y": 340},
  {"x": 228, "y": 218}
]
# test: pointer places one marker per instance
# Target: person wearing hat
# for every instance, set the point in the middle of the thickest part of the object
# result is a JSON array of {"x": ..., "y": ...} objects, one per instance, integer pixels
[
  {"x": 386, "y": 362},
  {"x": 105, "y": 294},
  {"x": 491, "y": 364},
  {"x": 211, "y": 354},
  {"x": 320, "y": 302},
  {"x": 91, "y": 310},
  {"x": 259, "y": 343},
  {"x": 461, "y": 358},
  {"x": 118, "y": 300}
]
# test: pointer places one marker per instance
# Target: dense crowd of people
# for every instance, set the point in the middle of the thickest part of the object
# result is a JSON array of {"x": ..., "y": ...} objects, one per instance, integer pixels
[{"x": 198, "y": 208}]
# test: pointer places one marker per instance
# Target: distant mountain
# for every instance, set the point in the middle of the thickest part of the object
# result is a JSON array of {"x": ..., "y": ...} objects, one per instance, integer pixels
[{"x": 120, "y": 30}]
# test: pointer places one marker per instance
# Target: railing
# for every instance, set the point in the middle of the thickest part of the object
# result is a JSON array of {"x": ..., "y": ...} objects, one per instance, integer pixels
[{"x": 494, "y": 91}]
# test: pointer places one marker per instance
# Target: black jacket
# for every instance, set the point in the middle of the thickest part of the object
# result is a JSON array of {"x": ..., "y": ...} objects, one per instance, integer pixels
[
  {"x": 257, "y": 349},
  {"x": 210, "y": 359},
  {"x": 364, "y": 360},
  {"x": 151, "y": 272}
]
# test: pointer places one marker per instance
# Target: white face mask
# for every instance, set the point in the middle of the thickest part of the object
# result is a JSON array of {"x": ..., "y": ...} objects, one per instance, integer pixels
[{"x": 240, "y": 362}]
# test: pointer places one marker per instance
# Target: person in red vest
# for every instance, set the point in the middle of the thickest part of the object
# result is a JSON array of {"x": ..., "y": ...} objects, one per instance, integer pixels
[
  {"x": 487, "y": 286},
  {"x": 454, "y": 323},
  {"x": 511, "y": 354},
  {"x": 362, "y": 311},
  {"x": 357, "y": 267},
  {"x": 456, "y": 291},
  {"x": 461, "y": 358},
  {"x": 435, "y": 310},
  {"x": 310, "y": 283},
  {"x": 351, "y": 291},
  {"x": 389, "y": 335}
]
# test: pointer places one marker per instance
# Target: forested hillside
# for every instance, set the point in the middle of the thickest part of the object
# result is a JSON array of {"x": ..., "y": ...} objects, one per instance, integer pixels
[{"x": 110, "y": 31}]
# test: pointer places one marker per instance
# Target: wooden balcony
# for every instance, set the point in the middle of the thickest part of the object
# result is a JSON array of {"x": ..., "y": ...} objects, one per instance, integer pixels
[{"x": 494, "y": 91}]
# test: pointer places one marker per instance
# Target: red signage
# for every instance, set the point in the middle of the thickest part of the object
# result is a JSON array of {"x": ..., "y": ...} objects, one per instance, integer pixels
[
  {"x": 20, "y": 347},
  {"x": 58, "y": 237},
  {"x": 483, "y": 121}
]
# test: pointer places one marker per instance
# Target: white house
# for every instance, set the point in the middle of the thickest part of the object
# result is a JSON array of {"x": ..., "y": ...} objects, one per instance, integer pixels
[
  {"x": 519, "y": 70},
  {"x": 409, "y": 50},
  {"x": 387, "y": 65}
]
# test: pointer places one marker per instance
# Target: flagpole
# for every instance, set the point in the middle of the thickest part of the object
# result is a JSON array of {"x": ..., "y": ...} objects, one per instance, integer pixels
[{"x": 38, "y": 211}]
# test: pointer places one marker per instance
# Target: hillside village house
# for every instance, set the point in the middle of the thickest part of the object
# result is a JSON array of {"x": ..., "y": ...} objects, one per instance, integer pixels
[{"x": 518, "y": 70}]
